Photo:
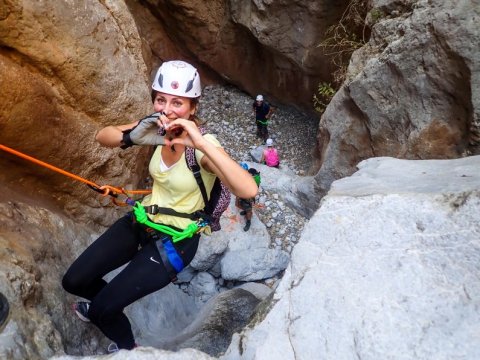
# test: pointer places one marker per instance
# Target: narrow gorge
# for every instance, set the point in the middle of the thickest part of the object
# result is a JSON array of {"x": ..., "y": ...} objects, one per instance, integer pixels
[{"x": 365, "y": 243}]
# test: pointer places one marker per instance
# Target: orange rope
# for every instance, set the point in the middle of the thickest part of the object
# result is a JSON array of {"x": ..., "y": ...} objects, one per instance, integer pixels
[{"x": 107, "y": 188}]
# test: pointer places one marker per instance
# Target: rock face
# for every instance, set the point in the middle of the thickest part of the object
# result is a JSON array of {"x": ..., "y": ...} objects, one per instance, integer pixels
[
  {"x": 69, "y": 68},
  {"x": 65, "y": 72},
  {"x": 387, "y": 268},
  {"x": 268, "y": 47},
  {"x": 36, "y": 246},
  {"x": 412, "y": 92}
]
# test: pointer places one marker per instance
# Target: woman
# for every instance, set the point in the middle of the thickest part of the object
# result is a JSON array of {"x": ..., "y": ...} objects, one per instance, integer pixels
[{"x": 175, "y": 93}]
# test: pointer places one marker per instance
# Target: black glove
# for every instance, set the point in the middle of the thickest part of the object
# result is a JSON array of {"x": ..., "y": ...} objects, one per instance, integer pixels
[{"x": 146, "y": 132}]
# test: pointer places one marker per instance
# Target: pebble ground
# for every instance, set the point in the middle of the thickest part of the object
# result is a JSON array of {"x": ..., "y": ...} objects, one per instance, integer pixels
[{"x": 228, "y": 114}]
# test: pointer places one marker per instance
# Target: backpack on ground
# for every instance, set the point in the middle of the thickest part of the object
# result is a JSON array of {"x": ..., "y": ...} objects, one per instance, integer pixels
[
  {"x": 271, "y": 157},
  {"x": 256, "y": 175}
]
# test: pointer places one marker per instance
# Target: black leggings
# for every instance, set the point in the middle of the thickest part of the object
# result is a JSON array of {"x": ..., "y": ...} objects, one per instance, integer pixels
[
  {"x": 262, "y": 130},
  {"x": 124, "y": 242}
]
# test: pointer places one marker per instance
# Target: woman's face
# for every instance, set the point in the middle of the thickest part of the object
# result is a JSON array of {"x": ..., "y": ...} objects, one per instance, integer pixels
[{"x": 173, "y": 106}]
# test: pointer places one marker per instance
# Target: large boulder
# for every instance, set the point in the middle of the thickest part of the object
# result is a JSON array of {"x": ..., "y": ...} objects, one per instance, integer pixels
[
  {"x": 387, "y": 268},
  {"x": 411, "y": 92}
]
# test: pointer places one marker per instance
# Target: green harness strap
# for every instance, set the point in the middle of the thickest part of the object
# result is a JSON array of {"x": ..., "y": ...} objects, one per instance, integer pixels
[
  {"x": 142, "y": 218},
  {"x": 263, "y": 122}
]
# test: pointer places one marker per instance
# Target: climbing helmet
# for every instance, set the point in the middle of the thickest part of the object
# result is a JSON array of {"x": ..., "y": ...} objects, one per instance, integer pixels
[{"x": 178, "y": 78}]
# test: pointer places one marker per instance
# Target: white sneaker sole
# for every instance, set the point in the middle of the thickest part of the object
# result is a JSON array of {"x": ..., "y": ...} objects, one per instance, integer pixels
[{"x": 80, "y": 316}]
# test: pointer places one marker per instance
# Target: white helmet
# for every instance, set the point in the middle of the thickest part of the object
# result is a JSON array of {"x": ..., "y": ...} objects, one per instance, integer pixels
[
  {"x": 178, "y": 78},
  {"x": 259, "y": 98},
  {"x": 269, "y": 142}
]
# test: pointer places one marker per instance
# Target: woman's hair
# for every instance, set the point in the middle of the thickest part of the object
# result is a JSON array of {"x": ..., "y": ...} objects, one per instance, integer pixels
[{"x": 193, "y": 101}]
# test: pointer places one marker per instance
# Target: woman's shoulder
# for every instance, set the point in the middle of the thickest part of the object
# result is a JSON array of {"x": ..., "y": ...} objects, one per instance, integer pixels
[{"x": 212, "y": 139}]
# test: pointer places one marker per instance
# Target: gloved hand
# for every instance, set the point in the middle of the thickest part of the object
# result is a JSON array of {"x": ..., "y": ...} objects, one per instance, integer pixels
[{"x": 146, "y": 132}]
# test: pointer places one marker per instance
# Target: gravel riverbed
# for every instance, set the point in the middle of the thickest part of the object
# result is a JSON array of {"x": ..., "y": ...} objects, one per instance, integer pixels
[{"x": 228, "y": 114}]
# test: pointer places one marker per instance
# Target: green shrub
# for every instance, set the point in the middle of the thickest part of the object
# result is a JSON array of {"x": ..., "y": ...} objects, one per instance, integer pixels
[
  {"x": 375, "y": 15},
  {"x": 343, "y": 38},
  {"x": 321, "y": 99}
]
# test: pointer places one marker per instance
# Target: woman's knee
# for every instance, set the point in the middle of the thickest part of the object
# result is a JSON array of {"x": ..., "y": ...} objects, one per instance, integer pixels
[
  {"x": 70, "y": 283},
  {"x": 74, "y": 281}
]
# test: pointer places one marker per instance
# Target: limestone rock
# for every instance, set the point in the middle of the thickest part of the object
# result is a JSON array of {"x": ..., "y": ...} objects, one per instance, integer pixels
[
  {"x": 411, "y": 92},
  {"x": 244, "y": 41},
  {"x": 381, "y": 274},
  {"x": 212, "y": 330}
]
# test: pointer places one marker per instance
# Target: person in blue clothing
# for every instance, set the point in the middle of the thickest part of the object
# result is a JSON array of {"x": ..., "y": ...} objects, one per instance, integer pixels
[{"x": 262, "y": 111}]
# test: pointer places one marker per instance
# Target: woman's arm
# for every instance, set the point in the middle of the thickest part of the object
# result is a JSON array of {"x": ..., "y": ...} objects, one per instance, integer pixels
[
  {"x": 111, "y": 136},
  {"x": 270, "y": 111},
  {"x": 237, "y": 179},
  {"x": 215, "y": 160}
]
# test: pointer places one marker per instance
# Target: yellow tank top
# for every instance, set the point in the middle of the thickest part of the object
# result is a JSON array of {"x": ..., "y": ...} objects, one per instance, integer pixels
[{"x": 176, "y": 188}]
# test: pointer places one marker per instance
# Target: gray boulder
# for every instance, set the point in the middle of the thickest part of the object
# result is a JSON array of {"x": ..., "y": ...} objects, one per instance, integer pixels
[
  {"x": 387, "y": 268},
  {"x": 413, "y": 91}
]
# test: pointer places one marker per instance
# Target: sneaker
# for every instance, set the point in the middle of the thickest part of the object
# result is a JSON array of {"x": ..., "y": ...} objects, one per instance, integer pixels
[
  {"x": 4, "y": 310},
  {"x": 81, "y": 309},
  {"x": 112, "y": 348},
  {"x": 247, "y": 225}
]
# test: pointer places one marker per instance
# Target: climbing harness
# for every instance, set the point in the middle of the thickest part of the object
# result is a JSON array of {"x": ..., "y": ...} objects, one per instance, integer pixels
[
  {"x": 163, "y": 236},
  {"x": 168, "y": 254},
  {"x": 105, "y": 190},
  {"x": 193, "y": 228},
  {"x": 140, "y": 212}
]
